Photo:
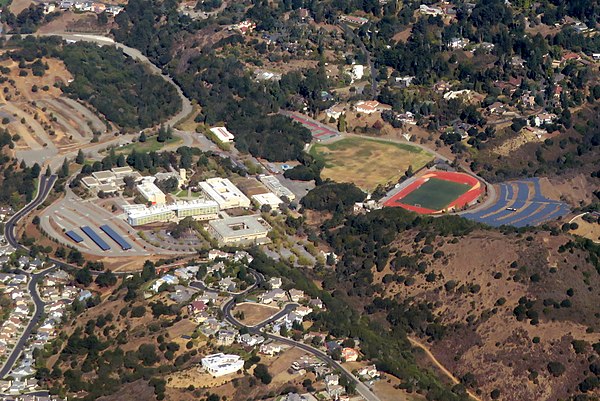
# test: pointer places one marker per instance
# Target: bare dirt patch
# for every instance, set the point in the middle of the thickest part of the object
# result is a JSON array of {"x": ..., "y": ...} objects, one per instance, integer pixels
[
  {"x": 16, "y": 6},
  {"x": 587, "y": 230},
  {"x": 69, "y": 21},
  {"x": 576, "y": 190},
  {"x": 403, "y": 36},
  {"x": 512, "y": 144},
  {"x": 254, "y": 313}
]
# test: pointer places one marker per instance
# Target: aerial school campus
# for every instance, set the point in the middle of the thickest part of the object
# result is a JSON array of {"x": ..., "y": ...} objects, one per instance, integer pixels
[{"x": 433, "y": 186}]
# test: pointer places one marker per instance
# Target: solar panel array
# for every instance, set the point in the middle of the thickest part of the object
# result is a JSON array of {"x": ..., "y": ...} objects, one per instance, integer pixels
[
  {"x": 116, "y": 237},
  {"x": 530, "y": 206},
  {"x": 74, "y": 236},
  {"x": 94, "y": 237}
]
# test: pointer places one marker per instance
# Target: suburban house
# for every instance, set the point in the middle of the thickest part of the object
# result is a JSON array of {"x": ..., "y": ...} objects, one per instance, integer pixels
[
  {"x": 270, "y": 349},
  {"x": 496, "y": 108},
  {"x": 275, "y": 282},
  {"x": 427, "y": 10},
  {"x": 250, "y": 340},
  {"x": 368, "y": 372},
  {"x": 296, "y": 295},
  {"x": 316, "y": 303},
  {"x": 227, "y": 284},
  {"x": 166, "y": 279},
  {"x": 349, "y": 354},
  {"x": 217, "y": 253},
  {"x": 544, "y": 118},
  {"x": 353, "y": 20},
  {"x": 335, "y": 111},
  {"x": 225, "y": 337},
  {"x": 196, "y": 307},
  {"x": 274, "y": 295},
  {"x": 458, "y": 43},
  {"x": 367, "y": 106}
]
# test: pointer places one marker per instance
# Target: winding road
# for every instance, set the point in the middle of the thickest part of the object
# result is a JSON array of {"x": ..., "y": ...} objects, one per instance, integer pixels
[
  {"x": 45, "y": 184},
  {"x": 227, "y": 309}
]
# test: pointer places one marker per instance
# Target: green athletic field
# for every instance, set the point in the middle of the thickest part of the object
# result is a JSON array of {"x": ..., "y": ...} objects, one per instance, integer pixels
[{"x": 435, "y": 194}]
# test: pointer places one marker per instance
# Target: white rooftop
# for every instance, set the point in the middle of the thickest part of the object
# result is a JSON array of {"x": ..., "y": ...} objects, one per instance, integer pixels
[{"x": 222, "y": 134}]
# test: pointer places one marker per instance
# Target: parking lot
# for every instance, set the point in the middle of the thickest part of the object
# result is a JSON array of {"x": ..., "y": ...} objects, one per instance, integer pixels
[{"x": 72, "y": 213}]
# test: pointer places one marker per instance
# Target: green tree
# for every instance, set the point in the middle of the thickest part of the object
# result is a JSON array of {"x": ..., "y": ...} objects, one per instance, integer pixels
[
  {"x": 64, "y": 170},
  {"x": 341, "y": 125},
  {"x": 83, "y": 276},
  {"x": 261, "y": 372},
  {"x": 80, "y": 159}
]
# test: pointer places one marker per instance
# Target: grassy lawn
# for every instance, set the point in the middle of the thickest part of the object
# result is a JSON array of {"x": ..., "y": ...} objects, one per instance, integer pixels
[
  {"x": 435, "y": 194},
  {"x": 368, "y": 162},
  {"x": 184, "y": 194},
  {"x": 151, "y": 145}
]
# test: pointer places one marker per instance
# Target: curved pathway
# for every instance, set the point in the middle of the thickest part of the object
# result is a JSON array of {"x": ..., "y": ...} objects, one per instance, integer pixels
[{"x": 416, "y": 343}]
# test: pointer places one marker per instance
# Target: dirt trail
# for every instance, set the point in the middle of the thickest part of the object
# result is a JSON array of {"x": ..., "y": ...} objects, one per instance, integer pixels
[{"x": 441, "y": 367}]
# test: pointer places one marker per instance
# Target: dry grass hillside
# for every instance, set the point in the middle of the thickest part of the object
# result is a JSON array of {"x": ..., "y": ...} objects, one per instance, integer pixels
[{"x": 475, "y": 283}]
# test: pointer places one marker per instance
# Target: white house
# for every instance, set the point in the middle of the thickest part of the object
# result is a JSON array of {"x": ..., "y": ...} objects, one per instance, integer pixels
[
  {"x": 427, "y": 10},
  {"x": 458, "y": 43},
  {"x": 367, "y": 107},
  {"x": 166, "y": 279},
  {"x": 358, "y": 71},
  {"x": 275, "y": 282},
  {"x": 222, "y": 364},
  {"x": 274, "y": 295},
  {"x": 250, "y": 340},
  {"x": 544, "y": 118},
  {"x": 270, "y": 349},
  {"x": 222, "y": 134},
  {"x": 335, "y": 111}
]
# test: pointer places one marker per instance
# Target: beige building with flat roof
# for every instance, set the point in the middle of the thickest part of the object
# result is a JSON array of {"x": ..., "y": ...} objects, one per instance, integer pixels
[
  {"x": 239, "y": 230},
  {"x": 222, "y": 191}
]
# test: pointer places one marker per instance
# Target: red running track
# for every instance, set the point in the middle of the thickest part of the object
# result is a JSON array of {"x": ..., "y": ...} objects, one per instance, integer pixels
[{"x": 466, "y": 198}]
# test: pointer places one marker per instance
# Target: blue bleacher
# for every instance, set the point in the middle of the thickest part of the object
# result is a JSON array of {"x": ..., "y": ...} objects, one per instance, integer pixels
[
  {"x": 116, "y": 237},
  {"x": 94, "y": 237}
]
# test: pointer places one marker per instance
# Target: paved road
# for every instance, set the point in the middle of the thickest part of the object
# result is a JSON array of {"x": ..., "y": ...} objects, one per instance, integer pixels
[
  {"x": 361, "y": 388},
  {"x": 44, "y": 187},
  {"x": 186, "y": 104},
  {"x": 227, "y": 308}
]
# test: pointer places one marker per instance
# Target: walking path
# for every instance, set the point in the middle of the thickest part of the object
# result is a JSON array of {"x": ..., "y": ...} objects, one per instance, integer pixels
[{"x": 442, "y": 368}]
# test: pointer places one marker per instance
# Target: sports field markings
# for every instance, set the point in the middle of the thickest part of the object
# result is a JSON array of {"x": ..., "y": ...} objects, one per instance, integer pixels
[{"x": 435, "y": 194}]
